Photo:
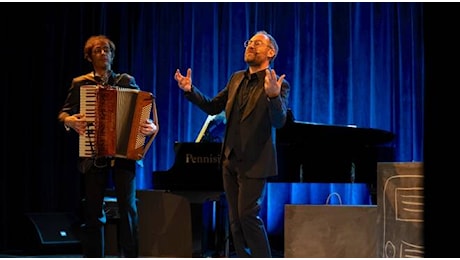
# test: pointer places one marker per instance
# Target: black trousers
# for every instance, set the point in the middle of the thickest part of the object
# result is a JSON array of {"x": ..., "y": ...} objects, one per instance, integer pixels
[
  {"x": 244, "y": 197},
  {"x": 96, "y": 178}
]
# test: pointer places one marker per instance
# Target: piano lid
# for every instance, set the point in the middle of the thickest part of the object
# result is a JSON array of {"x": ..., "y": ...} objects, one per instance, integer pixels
[
  {"x": 308, "y": 132},
  {"x": 298, "y": 131}
]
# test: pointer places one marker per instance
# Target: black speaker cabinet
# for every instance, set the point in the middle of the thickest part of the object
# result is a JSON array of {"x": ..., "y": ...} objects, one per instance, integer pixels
[
  {"x": 51, "y": 233},
  {"x": 55, "y": 228}
]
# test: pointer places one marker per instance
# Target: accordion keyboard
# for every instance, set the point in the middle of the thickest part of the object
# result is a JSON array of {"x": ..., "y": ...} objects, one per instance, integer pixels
[{"x": 88, "y": 108}]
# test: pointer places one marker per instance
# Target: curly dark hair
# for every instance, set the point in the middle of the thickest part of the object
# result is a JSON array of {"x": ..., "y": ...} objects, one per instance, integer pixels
[{"x": 89, "y": 45}]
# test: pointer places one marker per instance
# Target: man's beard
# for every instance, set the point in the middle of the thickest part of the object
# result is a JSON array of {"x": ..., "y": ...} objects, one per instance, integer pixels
[{"x": 251, "y": 59}]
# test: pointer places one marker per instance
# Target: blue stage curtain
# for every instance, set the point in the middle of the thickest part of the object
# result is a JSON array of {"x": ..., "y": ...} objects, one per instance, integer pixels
[
  {"x": 357, "y": 63},
  {"x": 348, "y": 63}
]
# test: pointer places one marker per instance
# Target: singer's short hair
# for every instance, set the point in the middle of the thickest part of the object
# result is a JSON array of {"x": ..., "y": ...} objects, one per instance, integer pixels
[{"x": 272, "y": 41}]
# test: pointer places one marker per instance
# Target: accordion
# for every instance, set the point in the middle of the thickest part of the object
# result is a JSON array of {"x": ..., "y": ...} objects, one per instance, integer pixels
[{"x": 113, "y": 118}]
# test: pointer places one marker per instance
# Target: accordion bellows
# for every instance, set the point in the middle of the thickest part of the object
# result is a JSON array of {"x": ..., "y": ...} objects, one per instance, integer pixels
[{"x": 114, "y": 115}]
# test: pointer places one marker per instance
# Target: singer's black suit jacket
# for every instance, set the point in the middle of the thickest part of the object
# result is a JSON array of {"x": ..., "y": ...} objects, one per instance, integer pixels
[{"x": 259, "y": 121}]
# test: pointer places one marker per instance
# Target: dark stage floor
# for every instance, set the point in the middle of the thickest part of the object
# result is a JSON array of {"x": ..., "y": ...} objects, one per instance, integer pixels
[{"x": 60, "y": 253}]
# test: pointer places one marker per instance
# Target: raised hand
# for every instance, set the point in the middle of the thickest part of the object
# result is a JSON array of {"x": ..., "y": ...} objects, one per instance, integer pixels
[
  {"x": 185, "y": 83},
  {"x": 272, "y": 84}
]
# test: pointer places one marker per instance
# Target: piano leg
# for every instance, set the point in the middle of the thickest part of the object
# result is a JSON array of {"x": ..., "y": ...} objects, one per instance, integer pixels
[
  {"x": 222, "y": 229},
  {"x": 373, "y": 192}
]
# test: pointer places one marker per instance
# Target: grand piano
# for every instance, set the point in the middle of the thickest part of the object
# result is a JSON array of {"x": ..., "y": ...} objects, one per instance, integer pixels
[
  {"x": 307, "y": 152},
  {"x": 321, "y": 153}
]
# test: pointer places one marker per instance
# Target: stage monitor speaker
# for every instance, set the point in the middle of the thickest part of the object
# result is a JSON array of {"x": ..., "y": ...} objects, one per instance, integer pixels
[{"x": 55, "y": 228}]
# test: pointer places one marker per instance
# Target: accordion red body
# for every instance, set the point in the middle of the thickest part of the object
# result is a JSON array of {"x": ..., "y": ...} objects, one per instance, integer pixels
[{"x": 114, "y": 115}]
